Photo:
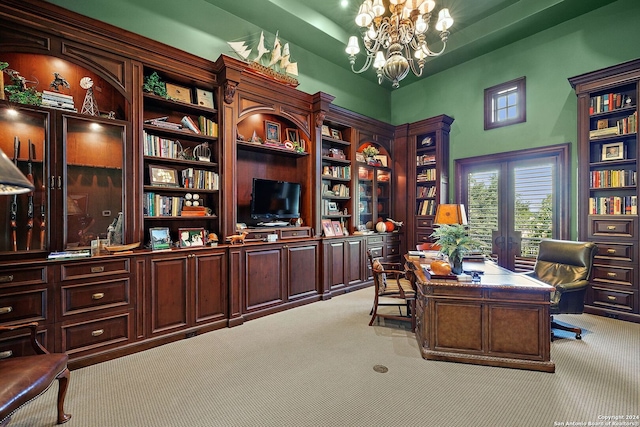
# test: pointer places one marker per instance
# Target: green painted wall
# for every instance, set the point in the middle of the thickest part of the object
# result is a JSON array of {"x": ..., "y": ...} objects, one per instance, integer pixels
[
  {"x": 605, "y": 37},
  {"x": 206, "y": 33}
]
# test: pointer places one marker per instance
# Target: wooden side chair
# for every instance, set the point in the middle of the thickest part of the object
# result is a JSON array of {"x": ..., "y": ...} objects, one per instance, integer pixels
[
  {"x": 392, "y": 288},
  {"x": 427, "y": 247},
  {"x": 24, "y": 378}
]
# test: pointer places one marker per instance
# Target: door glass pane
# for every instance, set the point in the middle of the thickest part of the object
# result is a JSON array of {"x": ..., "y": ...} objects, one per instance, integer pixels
[
  {"x": 23, "y": 133},
  {"x": 482, "y": 207},
  {"x": 93, "y": 179},
  {"x": 533, "y": 206}
]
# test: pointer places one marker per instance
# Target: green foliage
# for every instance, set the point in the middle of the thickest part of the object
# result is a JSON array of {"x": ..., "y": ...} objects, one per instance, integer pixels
[
  {"x": 453, "y": 240},
  {"x": 3, "y": 65},
  {"x": 370, "y": 151},
  {"x": 29, "y": 96},
  {"x": 154, "y": 84}
]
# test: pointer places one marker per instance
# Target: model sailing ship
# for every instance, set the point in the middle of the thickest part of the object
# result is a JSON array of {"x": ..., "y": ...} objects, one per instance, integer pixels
[{"x": 278, "y": 66}]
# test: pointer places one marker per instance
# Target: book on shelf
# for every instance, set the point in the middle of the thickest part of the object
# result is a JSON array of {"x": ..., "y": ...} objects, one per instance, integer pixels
[
  {"x": 193, "y": 211},
  {"x": 190, "y": 124},
  {"x": 604, "y": 132}
]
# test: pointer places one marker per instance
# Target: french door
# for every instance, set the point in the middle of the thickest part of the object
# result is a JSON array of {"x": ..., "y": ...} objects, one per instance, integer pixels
[{"x": 514, "y": 200}]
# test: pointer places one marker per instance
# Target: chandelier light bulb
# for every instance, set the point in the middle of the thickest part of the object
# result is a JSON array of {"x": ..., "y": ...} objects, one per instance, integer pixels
[
  {"x": 445, "y": 21},
  {"x": 353, "y": 47},
  {"x": 421, "y": 25},
  {"x": 371, "y": 32},
  {"x": 379, "y": 61},
  {"x": 413, "y": 4},
  {"x": 363, "y": 19},
  {"x": 377, "y": 8},
  {"x": 427, "y": 6}
]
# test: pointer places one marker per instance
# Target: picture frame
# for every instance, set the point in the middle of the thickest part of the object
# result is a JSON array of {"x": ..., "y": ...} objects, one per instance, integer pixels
[
  {"x": 204, "y": 98},
  {"x": 337, "y": 228},
  {"x": 190, "y": 237},
  {"x": 360, "y": 157},
  {"x": 602, "y": 124},
  {"x": 179, "y": 93},
  {"x": 336, "y": 134},
  {"x": 161, "y": 176},
  {"x": 292, "y": 134},
  {"x": 327, "y": 228},
  {"x": 325, "y": 130},
  {"x": 272, "y": 131},
  {"x": 613, "y": 151},
  {"x": 332, "y": 207},
  {"x": 382, "y": 159},
  {"x": 159, "y": 238}
]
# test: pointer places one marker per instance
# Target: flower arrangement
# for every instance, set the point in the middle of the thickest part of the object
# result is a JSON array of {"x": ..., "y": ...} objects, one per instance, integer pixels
[
  {"x": 454, "y": 242},
  {"x": 370, "y": 151}
]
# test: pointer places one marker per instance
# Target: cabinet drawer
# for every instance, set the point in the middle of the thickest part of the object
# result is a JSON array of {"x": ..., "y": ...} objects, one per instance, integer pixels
[
  {"x": 422, "y": 222},
  {"x": 376, "y": 252},
  {"x": 393, "y": 237},
  {"x": 259, "y": 235},
  {"x": 372, "y": 240},
  {"x": 22, "y": 306},
  {"x": 618, "y": 227},
  {"x": 18, "y": 343},
  {"x": 423, "y": 238},
  {"x": 24, "y": 276},
  {"x": 392, "y": 251},
  {"x": 612, "y": 274},
  {"x": 94, "y": 296},
  {"x": 95, "y": 334},
  {"x": 604, "y": 297},
  {"x": 617, "y": 251},
  {"x": 94, "y": 269},
  {"x": 295, "y": 234}
]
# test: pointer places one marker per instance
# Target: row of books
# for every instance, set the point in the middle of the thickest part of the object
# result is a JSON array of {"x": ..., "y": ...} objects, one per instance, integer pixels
[
  {"x": 613, "y": 205},
  {"x": 425, "y": 159},
  {"x": 58, "y": 100},
  {"x": 157, "y": 146},
  {"x": 623, "y": 126},
  {"x": 154, "y": 204},
  {"x": 609, "y": 102},
  {"x": 339, "y": 190},
  {"x": 426, "y": 175},
  {"x": 207, "y": 126},
  {"x": 337, "y": 172},
  {"x": 423, "y": 191},
  {"x": 162, "y": 122},
  {"x": 200, "y": 179},
  {"x": 426, "y": 207},
  {"x": 612, "y": 178}
]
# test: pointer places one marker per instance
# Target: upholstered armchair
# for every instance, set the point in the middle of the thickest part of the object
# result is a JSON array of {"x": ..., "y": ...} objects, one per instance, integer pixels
[
  {"x": 24, "y": 378},
  {"x": 567, "y": 266}
]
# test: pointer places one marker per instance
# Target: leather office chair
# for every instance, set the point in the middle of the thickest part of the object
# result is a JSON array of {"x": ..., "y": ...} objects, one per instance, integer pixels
[
  {"x": 24, "y": 378},
  {"x": 567, "y": 266},
  {"x": 392, "y": 289}
]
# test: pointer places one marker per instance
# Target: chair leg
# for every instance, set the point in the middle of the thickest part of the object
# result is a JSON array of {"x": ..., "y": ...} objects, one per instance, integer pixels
[
  {"x": 576, "y": 331},
  {"x": 63, "y": 382}
]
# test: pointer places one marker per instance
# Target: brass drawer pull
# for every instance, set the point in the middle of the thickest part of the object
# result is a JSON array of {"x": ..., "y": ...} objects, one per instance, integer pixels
[
  {"x": 611, "y": 227},
  {"x": 294, "y": 234},
  {"x": 6, "y": 354},
  {"x": 97, "y": 269},
  {"x": 98, "y": 295},
  {"x": 97, "y": 332},
  {"x": 5, "y": 279},
  {"x": 611, "y": 298},
  {"x": 612, "y": 275},
  {"x": 5, "y": 310},
  {"x": 611, "y": 251}
]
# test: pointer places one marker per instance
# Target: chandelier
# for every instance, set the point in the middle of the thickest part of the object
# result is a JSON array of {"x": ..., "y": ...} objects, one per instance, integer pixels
[{"x": 401, "y": 32}]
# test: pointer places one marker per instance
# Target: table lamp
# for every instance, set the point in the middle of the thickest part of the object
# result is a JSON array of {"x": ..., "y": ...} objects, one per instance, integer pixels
[
  {"x": 12, "y": 180},
  {"x": 450, "y": 214}
]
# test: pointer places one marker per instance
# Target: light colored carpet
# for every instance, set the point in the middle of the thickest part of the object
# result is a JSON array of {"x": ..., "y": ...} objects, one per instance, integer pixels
[{"x": 313, "y": 366}]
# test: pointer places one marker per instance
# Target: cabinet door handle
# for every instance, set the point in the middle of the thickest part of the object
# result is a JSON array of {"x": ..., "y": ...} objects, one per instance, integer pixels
[
  {"x": 5, "y": 310},
  {"x": 97, "y": 332},
  {"x": 611, "y": 251},
  {"x": 5, "y": 279},
  {"x": 611, "y": 227},
  {"x": 98, "y": 295},
  {"x": 6, "y": 354},
  {"x": 97, "y": 269},
  {"x": 611, "y": 298},
  {"x": 612, "y": 274},
  {"x": 59, "y": 182},
  {"x": 52, "y": 182}
]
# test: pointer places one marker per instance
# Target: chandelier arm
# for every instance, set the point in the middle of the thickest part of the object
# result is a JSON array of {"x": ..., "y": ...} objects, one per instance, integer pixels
[
  {"x": 365, "y": 67},
  {"x": 412, "y": 62}
]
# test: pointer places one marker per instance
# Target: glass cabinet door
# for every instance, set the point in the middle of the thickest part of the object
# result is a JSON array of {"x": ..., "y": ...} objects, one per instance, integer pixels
[
  {"x": 365, "y": 197},
  {"x": 92, "y": 194},
  {"x": 23, "y": 136}
]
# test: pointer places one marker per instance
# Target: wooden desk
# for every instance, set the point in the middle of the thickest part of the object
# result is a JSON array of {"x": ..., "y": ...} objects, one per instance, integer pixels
[{"x": 502, "y": 321}]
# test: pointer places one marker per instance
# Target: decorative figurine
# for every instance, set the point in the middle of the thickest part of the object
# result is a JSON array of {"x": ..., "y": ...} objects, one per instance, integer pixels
[
  {"x": 238, "y": 238},
  {"x": 59, "y": 81}
]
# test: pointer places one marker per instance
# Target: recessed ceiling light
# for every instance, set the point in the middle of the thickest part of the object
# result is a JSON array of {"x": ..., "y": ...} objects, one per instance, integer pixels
[{"x": 344, "y": 3}]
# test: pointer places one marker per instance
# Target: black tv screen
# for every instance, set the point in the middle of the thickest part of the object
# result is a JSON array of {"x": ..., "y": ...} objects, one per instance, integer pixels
[{"x": 272, "y": 200}]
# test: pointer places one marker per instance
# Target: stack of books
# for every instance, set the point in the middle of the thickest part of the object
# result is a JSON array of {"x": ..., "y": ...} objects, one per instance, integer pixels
[
  {"x": 163, "y": 123},
  {"x": 193, "y": 211},
  {"x": 58, "y": 100}
]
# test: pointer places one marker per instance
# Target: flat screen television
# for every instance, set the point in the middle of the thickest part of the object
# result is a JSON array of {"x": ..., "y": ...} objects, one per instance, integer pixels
[{"x": 274, "y": 200}]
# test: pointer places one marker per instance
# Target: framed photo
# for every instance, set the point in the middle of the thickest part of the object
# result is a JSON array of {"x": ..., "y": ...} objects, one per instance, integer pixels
[
  {"x": 162, "y": 176},
  {"x": 160, "y": 239},
  {"x": 332, "y": 207},
  {"x": 360, "y": 157},
  {"x": 204, "y": 98},
  {"x": 327, "y": 228},
  {"x": 292, "y": 134},
  {"x": 191, "y": 237},
  {"x": 382, "y": 159},
  {"x": 613, "y": 151},
  {"x": 271, "y": 131},
  {"x": 179, "y": 93},
  {"x": 603, "y": 123},
  {"x": 337, "y": 228},
  {"x": 335, "y": 133},
  {"x": 325, "y": 130}
]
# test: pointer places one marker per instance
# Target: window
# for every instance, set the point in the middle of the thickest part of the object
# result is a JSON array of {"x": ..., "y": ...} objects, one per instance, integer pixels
[{"x": 505, "y": 104}]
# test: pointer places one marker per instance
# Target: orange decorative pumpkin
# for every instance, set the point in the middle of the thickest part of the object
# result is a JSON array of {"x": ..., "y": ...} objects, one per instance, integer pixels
[
  {"x": 390, "y": 226},
  {"x": 440, "y": 267}
]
